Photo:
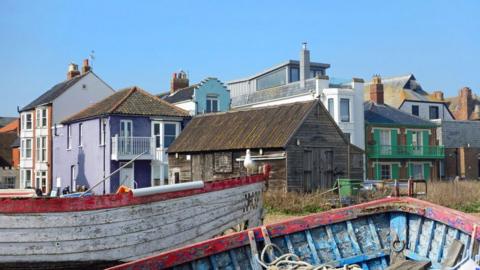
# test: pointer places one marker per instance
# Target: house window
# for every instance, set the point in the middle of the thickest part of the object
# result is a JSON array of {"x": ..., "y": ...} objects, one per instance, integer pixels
[
  {"x": 415, "y": 110},
  {"x": 80, "y": 134},
  {"x": 385, "y": 171},
  {"x": 347, "y": 135},
  {"x": 41, "y": 181},
  {"x": 212, "y": 104},
  {"x": 433, "y": 112},
  {"x": 169, "y": 134},
  {"x": 101, "y": 135},
  {"x": 42, "y": 117},
  {"x": 294, "y": 74},
  {"x": 73, "y": 180},
  {"x": 331, "y": 107},
  {"x": 159, "y": 174},
  {"x": 8, "y": 182},
  {"x": 272, "y": 79},
  {"x": 26, "y": 150},
  {"x": 345, "y": 109},
  {"x": 417, "y": 171},
  {"x": 26, "y": 177},
  {"x": 41, "y": 148},
  {"x": 69, "y": 137},
  {"x": 385, "y": 142},
  {"x": 27, "y": 121}
]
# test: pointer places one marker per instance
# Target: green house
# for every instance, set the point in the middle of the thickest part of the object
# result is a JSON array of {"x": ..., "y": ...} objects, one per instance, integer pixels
[{"x": 400, "y": 145}]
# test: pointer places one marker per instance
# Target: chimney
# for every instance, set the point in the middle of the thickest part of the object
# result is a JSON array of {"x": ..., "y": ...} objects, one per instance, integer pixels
[
  {"x": 476, "y": 113},
  {"x": 304, "y": 64},
  {"x": 464, "y": 106},
  {"x": 86, "y": 67},
  {"x": 179, "y": 81},
  {"x": 376, "y": 90},
  {"x": 321, "y": 83},
  {"x": 438, "y": 95},
  {"x": 72, "y": 71}
]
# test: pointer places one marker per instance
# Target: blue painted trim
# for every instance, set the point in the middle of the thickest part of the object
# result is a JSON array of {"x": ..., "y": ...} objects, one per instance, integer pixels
[
  {"x": 416, "y": 242},
  {"x": 414, "y": 256},
  {"x": 361, "y": 258},
  {"x": 376, "y": 239},
  {"x": 353, "y": 238},
  {"x": 333, "y": 243},
  {"x": 311, "y": 245},
  {"x": 442, "y": 243},
  {"x": 213, "y": 261},
  {"x": 234, "y": 259},
  {"x": 289, "y": 244},
  {"x": 430, "y": 238}
]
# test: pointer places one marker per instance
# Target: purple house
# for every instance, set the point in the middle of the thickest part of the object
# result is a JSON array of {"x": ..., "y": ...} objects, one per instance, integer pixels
[{"x": 98, "y": 140}]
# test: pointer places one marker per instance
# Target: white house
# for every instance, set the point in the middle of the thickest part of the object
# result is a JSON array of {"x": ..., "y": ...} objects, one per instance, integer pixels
[
  {"x": 343, "y": 100},
  {"x": 39, "y": 118}
]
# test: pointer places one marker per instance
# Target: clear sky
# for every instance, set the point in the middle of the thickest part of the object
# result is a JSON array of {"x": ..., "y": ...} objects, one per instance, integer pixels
[{"x": 143, "y": 42}]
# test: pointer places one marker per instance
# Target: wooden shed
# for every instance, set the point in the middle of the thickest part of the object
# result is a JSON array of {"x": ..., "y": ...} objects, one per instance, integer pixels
[{"x": 301, "y": 142}]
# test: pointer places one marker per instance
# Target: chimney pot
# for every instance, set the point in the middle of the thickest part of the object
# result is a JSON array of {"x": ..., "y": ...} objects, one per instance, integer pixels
[
  {"x": 438, "y": 95},
  {"x": 178, "y": 81},
  {"x": 86, "y": 67},
  {"x": 72, "y": 71}
]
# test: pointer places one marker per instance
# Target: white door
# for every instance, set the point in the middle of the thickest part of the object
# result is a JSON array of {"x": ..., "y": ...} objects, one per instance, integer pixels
[
  {"x": 126, "y": 131},
  {"x": 126, "y": 175}
]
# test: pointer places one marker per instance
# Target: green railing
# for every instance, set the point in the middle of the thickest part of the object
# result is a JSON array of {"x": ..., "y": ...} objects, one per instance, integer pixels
[{"x": 405, "y": 151}]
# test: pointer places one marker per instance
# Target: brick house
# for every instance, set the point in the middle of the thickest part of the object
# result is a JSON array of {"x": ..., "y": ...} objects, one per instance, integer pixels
[{"x": 399, "y": 145}]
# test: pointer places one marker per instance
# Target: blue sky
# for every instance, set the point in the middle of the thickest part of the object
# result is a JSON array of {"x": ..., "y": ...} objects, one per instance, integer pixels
[{"x": 143, "y": 42}]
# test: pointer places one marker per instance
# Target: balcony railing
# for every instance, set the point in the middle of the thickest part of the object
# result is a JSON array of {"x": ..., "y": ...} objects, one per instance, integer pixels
[
  {"x": 129, "y": 147},
  {"x": 405, "y": 151}
]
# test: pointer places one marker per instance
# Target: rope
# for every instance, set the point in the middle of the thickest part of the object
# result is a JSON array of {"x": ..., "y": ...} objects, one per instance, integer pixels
[{"x": 290, "y": 261}]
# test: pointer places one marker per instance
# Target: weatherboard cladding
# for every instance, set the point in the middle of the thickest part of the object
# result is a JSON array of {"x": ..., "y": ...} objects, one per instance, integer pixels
[
  {"x": 266, "y": 127},
  {"x": 385, "y": 114},
  {"x": 130, "y": 101},
  {"x": 53, "y": 93}
]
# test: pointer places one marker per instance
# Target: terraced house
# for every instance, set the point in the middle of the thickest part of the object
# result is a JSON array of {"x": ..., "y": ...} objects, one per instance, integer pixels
[
  {"x": 399, "y": 145},
  {"x": 105, "y": 136},
  {"x": 39, "y": 118}
]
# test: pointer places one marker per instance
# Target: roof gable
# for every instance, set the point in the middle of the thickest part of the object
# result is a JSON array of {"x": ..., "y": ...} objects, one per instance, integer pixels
[
  {"x": 130, "y": 101},
  {"x": 54, "y": 92},
  {"x": 265, "y": 127}
]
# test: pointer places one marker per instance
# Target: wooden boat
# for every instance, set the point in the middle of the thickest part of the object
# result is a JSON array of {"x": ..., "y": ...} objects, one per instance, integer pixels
[
  {"x": 91, "y": 231},
  {"x": 411, "y": 233}
]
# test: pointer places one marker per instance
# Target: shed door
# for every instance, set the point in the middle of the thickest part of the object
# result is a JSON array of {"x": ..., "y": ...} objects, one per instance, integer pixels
[
  {"x": 327, "y": 168},
  {"x": 307, "y": 169}
]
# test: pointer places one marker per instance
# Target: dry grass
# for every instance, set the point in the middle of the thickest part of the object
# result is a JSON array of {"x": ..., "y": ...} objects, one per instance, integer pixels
[
  {"x": 462, "y": 195},
  {"x": 294, "y": 203}
]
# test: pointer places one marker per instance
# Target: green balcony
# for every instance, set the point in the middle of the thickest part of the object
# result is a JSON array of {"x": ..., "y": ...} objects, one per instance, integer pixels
[{"x": 405, "y": 151}]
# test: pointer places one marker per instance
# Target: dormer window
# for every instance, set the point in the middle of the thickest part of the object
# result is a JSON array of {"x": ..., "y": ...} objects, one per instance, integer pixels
[
  {"x": 345, "y": 110},
  {"x": 212, "y": 104}
]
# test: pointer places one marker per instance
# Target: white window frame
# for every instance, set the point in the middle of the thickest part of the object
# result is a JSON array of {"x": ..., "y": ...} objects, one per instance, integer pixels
[
  {"x": 41, "y": 147},
  {"x": 349, "y": 110},
  {"x": 69, "y": 137},
  {"x": 389, "y": 170},
  {"x": 80, "y": 134},
  {"x": 25, "y": 122},
  {"x": 26, "y": 152},
  {"x": 41, "y": 180},
  {"x": 102, "y": 123},
  {"x": 210, "y": 99},
  {"x": 41, "y": 116},
  {"x": 23, "y": 177},
  {"x": 73, "y": 178}
]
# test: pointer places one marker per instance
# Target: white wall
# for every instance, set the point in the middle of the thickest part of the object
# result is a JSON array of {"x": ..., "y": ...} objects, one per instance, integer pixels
[
  {"x": 423, "y": 109},
  {"x": 188, "y": 105},
  {"x": 88, "y": 90}
]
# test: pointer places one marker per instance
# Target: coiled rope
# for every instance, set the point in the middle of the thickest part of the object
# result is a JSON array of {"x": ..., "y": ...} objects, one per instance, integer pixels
[{"x": 290, "y": 261}]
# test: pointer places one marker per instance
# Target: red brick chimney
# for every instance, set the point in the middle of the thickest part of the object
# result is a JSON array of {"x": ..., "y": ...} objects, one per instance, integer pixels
[
  {"x": 86, "y": 67},
  {"x": 438, "y": 95},
  {"x": 179, "y": 81},
  {"x": 376, "y": 90},
  {"x": 72, "y": 71},
  {"x": 464, "y": 106}
]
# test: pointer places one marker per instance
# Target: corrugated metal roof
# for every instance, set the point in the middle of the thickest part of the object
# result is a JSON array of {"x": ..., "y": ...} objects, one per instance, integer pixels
[
  {"x": 265, "y": 127},
  {"x": 130, "y": 101},
  {"x": 385, "y": 114}
]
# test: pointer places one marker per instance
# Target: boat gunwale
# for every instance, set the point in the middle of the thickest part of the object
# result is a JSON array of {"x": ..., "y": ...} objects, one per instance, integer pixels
[
  {"x": 450, "y": 217},
  {"x": 98, "y": 202}
]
